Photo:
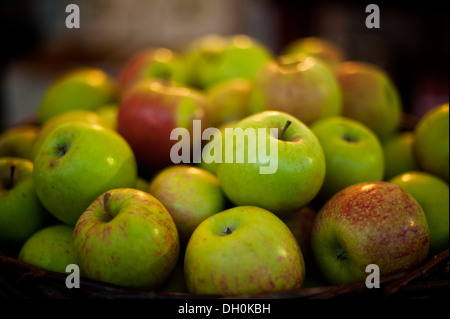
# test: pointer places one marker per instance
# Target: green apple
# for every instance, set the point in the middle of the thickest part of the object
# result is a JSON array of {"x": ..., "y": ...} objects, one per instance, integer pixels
[
  {"x": 176, "y": 282},
  {"x": 243, "y": 250},
  {"x": 190, "y": 194},
  {"x": 80, "y": 88},
  {"x": 432, "y": 193},
  {"x": 398, "y": 154},
  {"x": 76, "y": 163},
  {"x": 17, "y": 141},
  {"x": 283, "y": 181},
  {"x": 369, "y": 223},
  {"x": 298, "y": 84},
  {"x": 353, "y": 154},
  {"x": 156, "y": 62},
  {"x": 49, "y": 248},
  {"x": 21, "y": 212},
  {"x": 326, "y": 50},
  {"x": 214, "y": 58},
  {"x": 431, "y": 142},
  {"x": 229, "y": 101},
  {"x": 142, "y": 184},
  {"x": 210, "y": 157},
  {"x": 48, "y": 126},
  {"x": 126, "y": 237},
  {"x": 369, "y": 96}
]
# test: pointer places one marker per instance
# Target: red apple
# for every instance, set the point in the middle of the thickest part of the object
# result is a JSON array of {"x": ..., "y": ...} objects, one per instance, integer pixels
[{"x": 150, "y": 110}]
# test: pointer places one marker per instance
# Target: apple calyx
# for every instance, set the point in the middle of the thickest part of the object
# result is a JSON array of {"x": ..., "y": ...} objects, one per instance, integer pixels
[
  {"x": 341, "y": 255},
  {"x": 228, "y": 231},
  {"x": 105, "y": 206},
  {"x": 350, "y": 138},
  {"x": 10, "y": 183},
  {"x": 283, "y": 130},
  {"x": 62, "y": 149}
]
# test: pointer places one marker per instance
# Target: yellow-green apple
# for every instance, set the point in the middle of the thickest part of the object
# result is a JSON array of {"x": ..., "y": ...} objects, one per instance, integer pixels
[
  {"x": 431, "y": 142},
  {"x": 432, "y": 193},
  {"x": 298, "y": 84},
  {"x": 369, "y": 223},
  {"x": 326, "y": 50},
  {"x": 108, "y": 114},
  {"x": 17, "y": 141},
  {"x": 370, "y": 96},
  {"x": 150, "y": 110},
  {"x": 190, "y": 194},
  {"x": 353, "y": 154},
  {"x": 211, "y": 156},
  {"x": 76, "y": 163},
  {"x": 300, "y": 223},
  {"x": 84, "y": 116},
  {"x": 229, "y": 101},
  {"x": 126, "y": 237},
  {"x": 21, "y": 212},
  {"x": 272, "y": 160},
  {"x": 142, "y": 184},
  {"x": 213, "y": 58},
  {"x": 155, "y": 62},
  {"x": 398, "y": 154},
  {"x": 243, "y": 250},
  {"x": 49, "y": 248},
  {"x": 80, "y": 88}
]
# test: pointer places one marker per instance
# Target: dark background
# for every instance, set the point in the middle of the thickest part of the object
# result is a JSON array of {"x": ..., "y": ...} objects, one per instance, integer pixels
[{"x": 412, "y": 44}]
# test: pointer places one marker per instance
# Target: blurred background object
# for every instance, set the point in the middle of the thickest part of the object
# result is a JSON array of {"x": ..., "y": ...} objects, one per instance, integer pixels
[{"x": 412, "y": 43}]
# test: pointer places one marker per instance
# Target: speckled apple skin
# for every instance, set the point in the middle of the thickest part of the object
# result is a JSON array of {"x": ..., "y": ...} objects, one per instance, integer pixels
[
  {"x": 260, "y": 255},
  {"x": 372, "y": 223},
  {"x": 135, "y": 244}
]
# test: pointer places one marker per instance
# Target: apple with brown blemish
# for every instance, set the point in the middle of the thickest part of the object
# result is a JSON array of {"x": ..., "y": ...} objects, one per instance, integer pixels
[
  {"x": 126, "y": 237},
  {"x": 369, "y": 223},
  {"x": 243, "y": 250},
  {"x": 148, "y": 113}
]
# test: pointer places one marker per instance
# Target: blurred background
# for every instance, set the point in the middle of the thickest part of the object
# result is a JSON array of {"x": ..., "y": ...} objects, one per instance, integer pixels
[{"x": 412, "y": 44}]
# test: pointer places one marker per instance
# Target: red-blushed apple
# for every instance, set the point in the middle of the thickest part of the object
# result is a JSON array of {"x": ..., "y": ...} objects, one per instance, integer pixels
[
  {"x": 155, "y": 62},
  {"x": 369, "y": 223},
  {"x": 370, "y": 96},
  {"x": 243, "y": 250},
  {"x": 431, "y": 142},
  {"x": 148, "y": 113},
  {"x": 126, "y": 237},
  {"x": 190, "y": 194},
  {"x": 298, "y": 84},
  {"x": 326, "y": 50}
]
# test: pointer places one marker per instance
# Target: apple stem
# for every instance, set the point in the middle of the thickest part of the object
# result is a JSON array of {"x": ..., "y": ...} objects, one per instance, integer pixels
[
  {"x": 288, "y": 123},
  {"x": 11, "y": 176},
  {"x": 105, "y": 205}
]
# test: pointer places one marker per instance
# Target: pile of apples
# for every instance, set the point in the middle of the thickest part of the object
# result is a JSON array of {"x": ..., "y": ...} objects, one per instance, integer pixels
[{"x": 94, "y": 182}]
